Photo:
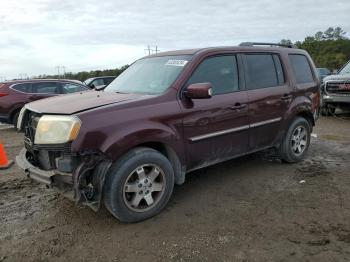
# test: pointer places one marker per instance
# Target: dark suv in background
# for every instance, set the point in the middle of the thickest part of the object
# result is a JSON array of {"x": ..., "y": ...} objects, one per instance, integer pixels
[
  {"x": 15, "y": 94},
  {"x": 166, "y": 115},
  {"x": 336, "y": 91},
  {"x": 99, "y": 82}
]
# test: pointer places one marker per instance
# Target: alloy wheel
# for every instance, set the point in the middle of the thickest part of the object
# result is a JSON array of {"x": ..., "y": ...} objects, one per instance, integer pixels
[
  {"x": 299, "y": 140},
  {"x": 144, "y": 187}
]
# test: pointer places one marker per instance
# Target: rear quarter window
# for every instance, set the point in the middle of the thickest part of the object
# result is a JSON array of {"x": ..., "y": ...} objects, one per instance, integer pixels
[
  {"x": 301, "y": 69},
  {"x": 24, "y": 88}
]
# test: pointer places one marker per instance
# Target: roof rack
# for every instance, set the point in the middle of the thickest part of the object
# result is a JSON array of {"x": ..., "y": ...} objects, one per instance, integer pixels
[{"x": 267, "y": 44}]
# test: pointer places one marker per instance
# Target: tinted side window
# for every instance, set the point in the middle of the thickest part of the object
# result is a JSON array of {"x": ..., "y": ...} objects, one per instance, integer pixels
[
  {"x": 72, "y": 88},
  {"x": 98, "y": 82},
  {"x": 261, "y": 71},
  {"x": 220, "y": 71},
  {"x": 45, "y": 88},
  {"x": 301, "y": 69},
  {"x": 25, "y": 88},
  {"x": 107, "y": 81}
]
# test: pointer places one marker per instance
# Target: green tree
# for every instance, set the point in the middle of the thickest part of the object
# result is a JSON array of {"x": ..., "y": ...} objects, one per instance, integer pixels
[{"x": 330, "y": 48}]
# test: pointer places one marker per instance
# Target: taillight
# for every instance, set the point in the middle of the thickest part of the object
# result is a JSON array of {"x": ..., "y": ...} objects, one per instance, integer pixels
[{"x": 2, "y": 93}]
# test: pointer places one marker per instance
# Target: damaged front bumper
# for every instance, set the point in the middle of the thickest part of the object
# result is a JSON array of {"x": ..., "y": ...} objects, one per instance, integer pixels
[
  {"x": 84, "y": 185},
  {"x": 37, "y": 174}
]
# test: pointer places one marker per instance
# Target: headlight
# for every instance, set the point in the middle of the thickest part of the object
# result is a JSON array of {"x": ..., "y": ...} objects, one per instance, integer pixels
[{"x": 56, "y": 129}]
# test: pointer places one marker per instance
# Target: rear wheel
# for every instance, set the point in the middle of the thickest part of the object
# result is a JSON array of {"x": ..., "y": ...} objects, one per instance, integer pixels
[
  {"x": 139, "y": 185},
  {"x": 296, "y": 142}
]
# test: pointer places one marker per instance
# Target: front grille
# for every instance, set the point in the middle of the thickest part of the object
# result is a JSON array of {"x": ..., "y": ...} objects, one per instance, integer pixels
[{"x": 339, "y": 88}]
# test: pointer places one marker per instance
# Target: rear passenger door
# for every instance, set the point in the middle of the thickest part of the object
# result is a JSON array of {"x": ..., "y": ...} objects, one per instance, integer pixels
[{"x": 268, "y": 95}]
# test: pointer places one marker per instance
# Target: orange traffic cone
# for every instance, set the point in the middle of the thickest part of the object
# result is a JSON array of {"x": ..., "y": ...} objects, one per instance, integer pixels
[{"x": 4, "y": 162}]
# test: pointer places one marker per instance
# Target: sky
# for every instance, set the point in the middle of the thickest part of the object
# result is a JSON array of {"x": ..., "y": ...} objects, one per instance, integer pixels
[{"x": 36, "y": 36}]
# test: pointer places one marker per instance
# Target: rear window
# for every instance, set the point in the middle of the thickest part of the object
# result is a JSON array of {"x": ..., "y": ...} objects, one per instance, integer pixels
[
  {"x": 301, "y": 68},
  {"x": 263, "y": 70},
  {"x": 25, "y": 88},
  {"x": 45, "y": 88}
]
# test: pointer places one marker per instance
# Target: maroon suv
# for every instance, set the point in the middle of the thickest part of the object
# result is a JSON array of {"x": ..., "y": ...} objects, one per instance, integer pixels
[
  {"x": 16, "y": 93},
  {"x": 166, "y": 115}
]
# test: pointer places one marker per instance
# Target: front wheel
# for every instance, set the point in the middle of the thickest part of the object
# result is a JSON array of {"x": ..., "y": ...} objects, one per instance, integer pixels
[
  {"x": 139, "y": 185},
  {"x": 15, "y": 120},
  {"x": 296, "y": 142}
]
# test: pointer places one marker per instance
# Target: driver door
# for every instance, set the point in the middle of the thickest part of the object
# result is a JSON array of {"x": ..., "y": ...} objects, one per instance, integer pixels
[{"x": 216, "y": 129}]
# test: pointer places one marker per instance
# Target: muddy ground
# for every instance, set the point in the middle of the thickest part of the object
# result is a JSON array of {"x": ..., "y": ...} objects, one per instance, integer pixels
[{"x": 250, "y": 209}]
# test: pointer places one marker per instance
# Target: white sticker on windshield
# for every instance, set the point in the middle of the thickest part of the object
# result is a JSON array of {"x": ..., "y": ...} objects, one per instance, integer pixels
[{"x": 176, "y": 62}]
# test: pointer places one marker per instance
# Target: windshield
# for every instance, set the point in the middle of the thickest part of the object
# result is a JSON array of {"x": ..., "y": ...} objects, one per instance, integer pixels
[
  {"x": 149, "y": 75},
  {"x": 345, "y": 69}
]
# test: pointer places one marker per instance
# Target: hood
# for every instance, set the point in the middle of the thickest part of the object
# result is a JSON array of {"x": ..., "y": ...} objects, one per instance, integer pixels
[
  {"x": 337, "y": 77},
  {"x": 77, "y": 102}
]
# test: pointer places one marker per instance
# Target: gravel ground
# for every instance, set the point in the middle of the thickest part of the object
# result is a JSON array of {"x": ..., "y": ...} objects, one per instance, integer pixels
[{"x": 250, "y": 209}]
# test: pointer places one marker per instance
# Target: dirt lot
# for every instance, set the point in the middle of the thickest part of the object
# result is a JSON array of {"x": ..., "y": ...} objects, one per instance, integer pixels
[{"x": 249, "y": 209}]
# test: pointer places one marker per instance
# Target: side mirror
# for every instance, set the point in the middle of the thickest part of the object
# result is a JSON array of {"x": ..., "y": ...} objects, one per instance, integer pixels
[{"x": 199, "y": 91}]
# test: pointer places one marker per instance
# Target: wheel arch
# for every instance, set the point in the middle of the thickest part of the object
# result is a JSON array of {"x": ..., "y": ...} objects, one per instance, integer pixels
[
  {"x": 169, "y": 148},
  {"x": 171, "y": 155},
  {"x": 308, "y": 116}
]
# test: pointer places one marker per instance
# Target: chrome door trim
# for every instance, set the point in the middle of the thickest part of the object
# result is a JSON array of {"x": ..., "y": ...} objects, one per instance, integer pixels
[
  {"x": 236, "y": 129},
  {"x": 219, "y": 133},
  {"x": 270, "y": 121}
]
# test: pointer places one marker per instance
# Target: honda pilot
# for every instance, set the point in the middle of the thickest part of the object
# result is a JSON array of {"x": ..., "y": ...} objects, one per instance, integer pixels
[{"x": 166, "y": 115}]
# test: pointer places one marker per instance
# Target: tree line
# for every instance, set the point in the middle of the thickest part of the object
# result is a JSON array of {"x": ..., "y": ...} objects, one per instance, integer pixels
[
  {"x": 330, "y": 49},
  {"x": 81, "y": 76}
]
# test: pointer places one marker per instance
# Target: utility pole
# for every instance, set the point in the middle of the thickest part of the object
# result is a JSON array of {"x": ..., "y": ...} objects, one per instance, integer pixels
[
  {"x": 64, "y": 71},
  {"x": 58, "y": 71},
  {"x": 151, "y": 51},
  {"x": 148, "y": 49}
]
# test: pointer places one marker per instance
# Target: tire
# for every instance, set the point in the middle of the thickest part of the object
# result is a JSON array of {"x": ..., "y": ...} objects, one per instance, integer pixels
[
  {"x": 293, "y": 150},
  {"x": 15, "y": 120},
  {"x": 331, "y": 111},
  {"x": 123, "y": 185},
  {"x": 328, "y": 110}
]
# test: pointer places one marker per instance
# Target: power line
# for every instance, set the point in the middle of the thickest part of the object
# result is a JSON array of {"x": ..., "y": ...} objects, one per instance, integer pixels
[
  {"x": 151, "y": 51},
  {"x": 59, "y": 71}
]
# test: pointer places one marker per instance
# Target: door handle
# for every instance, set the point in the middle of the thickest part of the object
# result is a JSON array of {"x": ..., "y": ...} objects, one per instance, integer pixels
[
  {"x": 237, "y": 106},
  {"x": 286, "y": 97}
]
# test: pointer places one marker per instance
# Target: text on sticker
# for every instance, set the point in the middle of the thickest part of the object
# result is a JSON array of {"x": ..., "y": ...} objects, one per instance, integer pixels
[{"x": 176, "y": 62}]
